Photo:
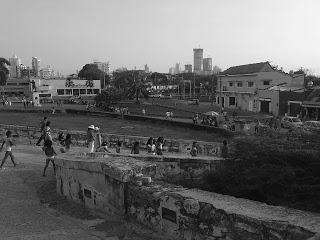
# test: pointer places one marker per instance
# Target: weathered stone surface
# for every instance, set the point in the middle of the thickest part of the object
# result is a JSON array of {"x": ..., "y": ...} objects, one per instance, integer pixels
[{"x": 106, "y": 183}]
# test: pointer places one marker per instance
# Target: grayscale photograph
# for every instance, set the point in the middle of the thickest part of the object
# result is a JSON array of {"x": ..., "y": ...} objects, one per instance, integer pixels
[{"x": 160, "y": 120}]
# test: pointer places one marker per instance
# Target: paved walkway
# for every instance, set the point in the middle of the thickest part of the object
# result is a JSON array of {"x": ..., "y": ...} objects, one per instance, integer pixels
[{"x": 31, "y": 209}]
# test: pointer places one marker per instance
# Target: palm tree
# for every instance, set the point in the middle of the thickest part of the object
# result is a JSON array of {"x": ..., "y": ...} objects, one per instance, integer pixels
[
  {"x": 4, "y": 70},
  {"x": 137, "y": 90}
]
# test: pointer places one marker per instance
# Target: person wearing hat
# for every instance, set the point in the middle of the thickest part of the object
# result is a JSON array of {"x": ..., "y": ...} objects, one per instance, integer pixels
[{"x": 91, "y": 138}]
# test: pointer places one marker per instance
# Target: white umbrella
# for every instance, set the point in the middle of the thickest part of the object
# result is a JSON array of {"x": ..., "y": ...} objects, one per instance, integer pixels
[{"x": 212, "y": 113}]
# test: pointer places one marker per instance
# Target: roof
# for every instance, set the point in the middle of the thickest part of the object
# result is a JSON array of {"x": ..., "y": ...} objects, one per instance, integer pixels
[{"x": 248, "y": 69}]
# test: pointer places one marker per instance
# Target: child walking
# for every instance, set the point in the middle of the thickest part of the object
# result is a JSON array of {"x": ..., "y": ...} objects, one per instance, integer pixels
[
  {"x": 50, "y": 153},
  {"x": 8, "y": 145}
]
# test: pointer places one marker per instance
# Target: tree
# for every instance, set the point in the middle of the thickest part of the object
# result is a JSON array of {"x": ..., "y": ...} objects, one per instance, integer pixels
[
  {"x": 92, "y": 72},
  {"x": 4, "y": 70},
  {"x": 137, "y": 90},
  {"x": 108, "y": 97}
]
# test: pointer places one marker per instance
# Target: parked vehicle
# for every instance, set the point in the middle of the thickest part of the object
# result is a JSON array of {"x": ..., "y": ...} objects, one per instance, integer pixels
[
  {"x": 291, "y": 122},
  {"x": 311, "y": 126},
  {"x": 193, "y": 102}
]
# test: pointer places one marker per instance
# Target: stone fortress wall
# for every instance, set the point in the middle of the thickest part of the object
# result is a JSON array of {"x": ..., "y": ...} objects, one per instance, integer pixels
[{"x": 130, "y": 187}]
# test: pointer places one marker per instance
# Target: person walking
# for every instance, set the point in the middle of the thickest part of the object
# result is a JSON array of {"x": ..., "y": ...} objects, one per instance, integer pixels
[
  {"x": 194, "y": 149},
  {"x": 42, "y": 130},
  {"x": 8, "y": 146},
  {"x": 50, "y": 153},
  {"x": 159, "y": 146},
  {"x": 90, "y": 138}
]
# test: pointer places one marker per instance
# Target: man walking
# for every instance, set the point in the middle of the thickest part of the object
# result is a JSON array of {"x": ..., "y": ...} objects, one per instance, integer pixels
[
  {"x": 43, "y": 124},
  {"x": 91, "y": 138}
]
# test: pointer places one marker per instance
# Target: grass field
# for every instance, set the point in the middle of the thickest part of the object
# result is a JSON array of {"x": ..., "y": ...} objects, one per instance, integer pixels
[{"x": 108, "y": 125}]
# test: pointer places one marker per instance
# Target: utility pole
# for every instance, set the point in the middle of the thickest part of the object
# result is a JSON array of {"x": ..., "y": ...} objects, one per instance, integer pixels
[{"x": 220, "y": 95}]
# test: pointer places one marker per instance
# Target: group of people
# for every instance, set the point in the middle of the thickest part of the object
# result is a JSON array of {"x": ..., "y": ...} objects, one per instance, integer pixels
[{"x": 155, "y": 146}]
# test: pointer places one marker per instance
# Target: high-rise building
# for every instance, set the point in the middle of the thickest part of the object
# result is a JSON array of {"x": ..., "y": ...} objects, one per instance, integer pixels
[
  {"x": 188, "y": 68},
  {"x": 103, "y": 66},
  {"x": 197, "y": 60},
  {"x": 171, "y": 70},
  {"x": 146, "y": 68},
  {"x": 15, "y": 66},
  {"x": 35, "y": 66},
  {"x": 207, "y": 64},
  {"x": 177, "y": 68}
]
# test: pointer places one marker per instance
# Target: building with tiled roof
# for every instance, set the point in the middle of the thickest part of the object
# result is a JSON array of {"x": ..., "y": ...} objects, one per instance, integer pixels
[{"x": 249, "y": 87}]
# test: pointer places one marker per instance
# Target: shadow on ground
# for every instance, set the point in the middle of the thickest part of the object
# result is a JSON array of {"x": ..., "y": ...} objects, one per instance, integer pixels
[{"x": 108, "y": 227}]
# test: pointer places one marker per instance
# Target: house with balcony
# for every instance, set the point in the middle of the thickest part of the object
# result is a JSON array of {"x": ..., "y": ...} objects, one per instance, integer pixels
[{"x": 247, "y": 87}]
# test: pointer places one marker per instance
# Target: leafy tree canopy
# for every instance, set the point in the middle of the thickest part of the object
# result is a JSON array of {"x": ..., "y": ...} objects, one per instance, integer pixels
[{"x": 91, "y": 72}]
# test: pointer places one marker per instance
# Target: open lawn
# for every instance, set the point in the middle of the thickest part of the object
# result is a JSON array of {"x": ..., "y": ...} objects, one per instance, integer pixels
[
  {"x": 181, "y": 108},
  {"x": 108, "y": 125}
]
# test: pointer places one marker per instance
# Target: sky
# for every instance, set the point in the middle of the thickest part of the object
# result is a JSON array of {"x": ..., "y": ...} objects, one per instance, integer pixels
[{"x": 67, "y": 34}]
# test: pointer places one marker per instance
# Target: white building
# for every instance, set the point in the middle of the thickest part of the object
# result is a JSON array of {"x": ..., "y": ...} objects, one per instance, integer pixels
[
  {"x": 244, "y": 87},
  {"x": 197, "y": 60},
  {"x": 61, "y": 87},
  {"x": 46, "y": 73},
  {"x": 15, "y": 66}
]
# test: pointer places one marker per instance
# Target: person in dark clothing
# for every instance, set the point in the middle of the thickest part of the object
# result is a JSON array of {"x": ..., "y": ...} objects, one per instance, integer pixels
[
  {"x": 224, "y": 149},
  {"x": 50, "y": 153},
  {"x": 194, "y": 149},
  {"x": 118, "y": 147},
  {"x": 135, "y": 148},
  {"x": 149, "y": 144},
  {"x": 159, "y": 146},
  {"x": 43, "y": 124}
]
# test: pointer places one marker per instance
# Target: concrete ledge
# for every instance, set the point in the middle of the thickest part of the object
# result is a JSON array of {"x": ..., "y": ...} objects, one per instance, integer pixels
[{"x": 180, "y": 146}]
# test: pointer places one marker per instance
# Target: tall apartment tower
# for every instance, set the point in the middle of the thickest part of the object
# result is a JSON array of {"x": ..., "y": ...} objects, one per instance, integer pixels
[
  {"x": 207, "y": 64},
  {"x": 15, "y": 66},
  {"x": 197, "y": 60},
  {"x": 177, "y": 68},
  {"x": 188, "y": 68},
  {"x": 35, "y": 66}
]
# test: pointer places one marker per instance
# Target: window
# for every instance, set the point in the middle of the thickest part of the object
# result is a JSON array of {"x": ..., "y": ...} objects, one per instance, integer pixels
[
  {"x": 82, "y": 91},
  {"x": 230, "y": 84},
  {"x": 232, "y": 101},
  {"x": 250, "y": 84},
  {"x": 76, "y": 92},
  {"x": 266, "y": 82},
  {"x": 68, "y": 91},
  {"x": 60, "y": 91},
  {"x": 224, "y": 88},
  {"x": 239, "y": 84},
  {"x": 89, "y": 91},
  {"x": 96, "y": 91}
]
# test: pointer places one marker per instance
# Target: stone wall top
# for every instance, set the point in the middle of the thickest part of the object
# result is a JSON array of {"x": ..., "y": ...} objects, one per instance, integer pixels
[
  {"x": 255, "y": 210},
  {"x": 121, "y": 168}
]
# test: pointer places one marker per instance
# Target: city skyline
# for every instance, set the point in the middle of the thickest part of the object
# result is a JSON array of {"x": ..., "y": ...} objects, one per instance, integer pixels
[{"x": 160, "y": 33}]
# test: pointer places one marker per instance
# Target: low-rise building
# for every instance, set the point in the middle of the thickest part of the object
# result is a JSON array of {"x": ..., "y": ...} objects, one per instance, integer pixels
[
  {"x": 17, "y": 87},
  {"x": 253, "y": 87},
  {"x": 66, "y": 87}
]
